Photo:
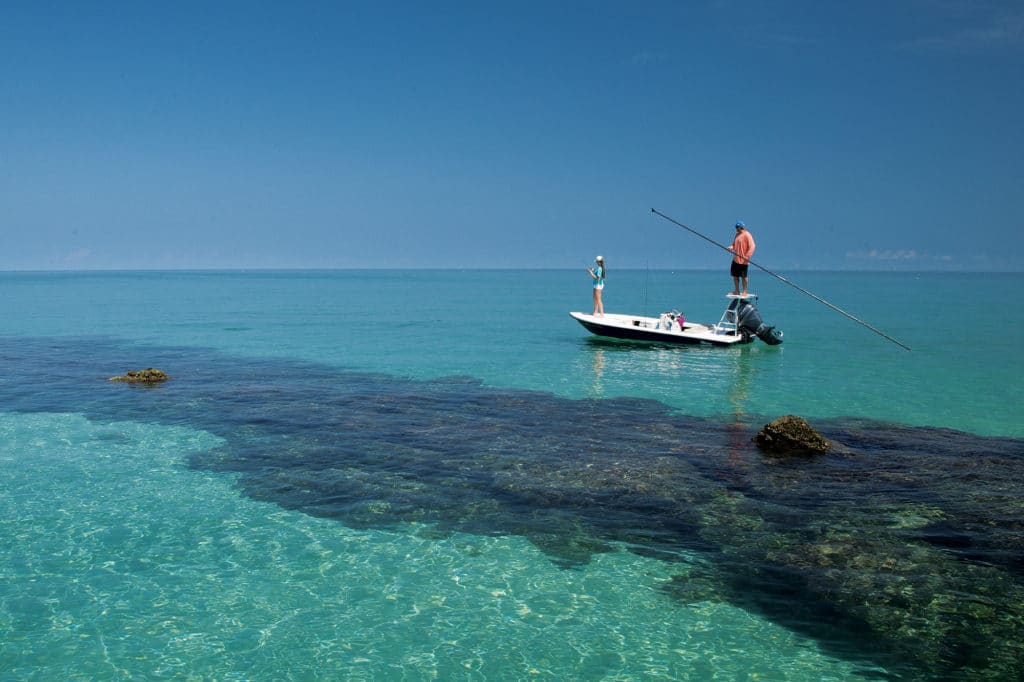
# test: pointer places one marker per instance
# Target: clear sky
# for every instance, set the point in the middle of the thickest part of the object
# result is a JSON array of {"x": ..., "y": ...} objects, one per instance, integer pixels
[{"x": 518, "y": 133}]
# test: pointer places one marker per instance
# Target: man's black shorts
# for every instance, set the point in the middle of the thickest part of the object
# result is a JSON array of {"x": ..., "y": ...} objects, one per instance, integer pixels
[{"x": 738, "y": 270}]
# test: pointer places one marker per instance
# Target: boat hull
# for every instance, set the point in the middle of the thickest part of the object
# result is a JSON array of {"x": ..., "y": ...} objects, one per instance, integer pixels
[{"x": 652, "y": 330}]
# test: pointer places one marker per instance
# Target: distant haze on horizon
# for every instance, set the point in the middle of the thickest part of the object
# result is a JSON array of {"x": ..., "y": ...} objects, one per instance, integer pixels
[{"x": 342, "y": 135}]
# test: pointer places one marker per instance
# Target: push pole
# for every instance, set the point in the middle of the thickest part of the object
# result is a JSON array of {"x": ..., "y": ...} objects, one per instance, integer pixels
[{"x": 783, "y": 279}]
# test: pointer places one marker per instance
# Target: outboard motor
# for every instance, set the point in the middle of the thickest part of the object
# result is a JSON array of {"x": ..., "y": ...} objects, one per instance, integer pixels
[{"x": 748, "y": 321}]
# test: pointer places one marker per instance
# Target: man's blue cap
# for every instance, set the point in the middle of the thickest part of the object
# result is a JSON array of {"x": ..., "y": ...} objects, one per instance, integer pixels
[{"x": 739, "y": 223}]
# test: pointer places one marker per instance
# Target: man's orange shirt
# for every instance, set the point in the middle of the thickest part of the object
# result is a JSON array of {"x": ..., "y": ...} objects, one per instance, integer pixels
[{"x": 743, "y": 247}]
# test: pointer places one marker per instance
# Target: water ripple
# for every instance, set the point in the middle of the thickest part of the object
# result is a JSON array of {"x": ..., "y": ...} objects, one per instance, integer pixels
[{"x": 903, "y": 547}]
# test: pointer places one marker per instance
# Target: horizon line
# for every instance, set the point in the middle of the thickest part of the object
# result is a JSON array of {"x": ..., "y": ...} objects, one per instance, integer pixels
[{"x": 475, "y": 269}]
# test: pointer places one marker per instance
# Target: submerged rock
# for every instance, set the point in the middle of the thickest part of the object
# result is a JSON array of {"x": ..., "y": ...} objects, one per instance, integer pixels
[
  {"x": 791, "y": 435},
  {"x": 142, "y": 376}
]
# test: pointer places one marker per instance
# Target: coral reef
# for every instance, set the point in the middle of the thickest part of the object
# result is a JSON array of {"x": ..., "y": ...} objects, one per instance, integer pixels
[
  {"x": 791, "y": 435},
  {"x": 142, "y": 376}
]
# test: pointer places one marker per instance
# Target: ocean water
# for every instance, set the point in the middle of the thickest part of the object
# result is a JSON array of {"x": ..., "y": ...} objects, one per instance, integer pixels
[{"x": 440, "y": 475}]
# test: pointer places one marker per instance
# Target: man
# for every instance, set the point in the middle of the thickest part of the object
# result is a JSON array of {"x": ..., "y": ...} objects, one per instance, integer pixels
[{"x": 742, "y": 248}]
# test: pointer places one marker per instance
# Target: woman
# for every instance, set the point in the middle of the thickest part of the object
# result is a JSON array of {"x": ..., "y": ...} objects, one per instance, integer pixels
[{"x": 598, "y": 272}]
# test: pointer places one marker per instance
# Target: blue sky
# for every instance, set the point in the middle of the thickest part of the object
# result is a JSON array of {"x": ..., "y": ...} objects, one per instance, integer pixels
[{"x": 847, "y": 135}]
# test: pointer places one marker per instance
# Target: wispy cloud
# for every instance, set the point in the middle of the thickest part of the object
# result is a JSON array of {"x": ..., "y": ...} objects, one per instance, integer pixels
[
  {"x": 76, "y": 256},
  {"x": 648, "y": 57},
  {"x": 897, "y": 255},
  {"x": 998, "y": 30}
]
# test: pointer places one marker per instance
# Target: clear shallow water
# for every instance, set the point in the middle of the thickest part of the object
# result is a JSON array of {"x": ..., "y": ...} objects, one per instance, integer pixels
[
  {"x": 313, "y": 495},
  {"x": 119, "y": 563}
]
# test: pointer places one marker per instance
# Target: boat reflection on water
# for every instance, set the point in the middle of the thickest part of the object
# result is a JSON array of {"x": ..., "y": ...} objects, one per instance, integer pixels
[
  {"x": 737, "y": 428},
  {"x": 598, "y": 367},
  {"x": 739, "y": 388}
]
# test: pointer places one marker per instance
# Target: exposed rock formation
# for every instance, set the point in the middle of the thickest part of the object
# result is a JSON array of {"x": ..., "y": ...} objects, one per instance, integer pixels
[
  {"x": 791, "y": 435},
  {"x": 142, "y": 376}
]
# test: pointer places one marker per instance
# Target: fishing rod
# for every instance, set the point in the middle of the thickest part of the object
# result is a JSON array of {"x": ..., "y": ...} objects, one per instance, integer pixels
[{"x": 783, "y": 279}]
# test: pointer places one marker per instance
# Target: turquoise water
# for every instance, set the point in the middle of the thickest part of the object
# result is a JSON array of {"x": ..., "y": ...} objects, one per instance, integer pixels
[
  {"x": 512, "y": 330},
  {"x": 440, "y": 475}
]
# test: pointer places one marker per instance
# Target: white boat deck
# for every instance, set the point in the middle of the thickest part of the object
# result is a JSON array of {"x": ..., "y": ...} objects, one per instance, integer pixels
[{"x": 655, "y": 329}]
